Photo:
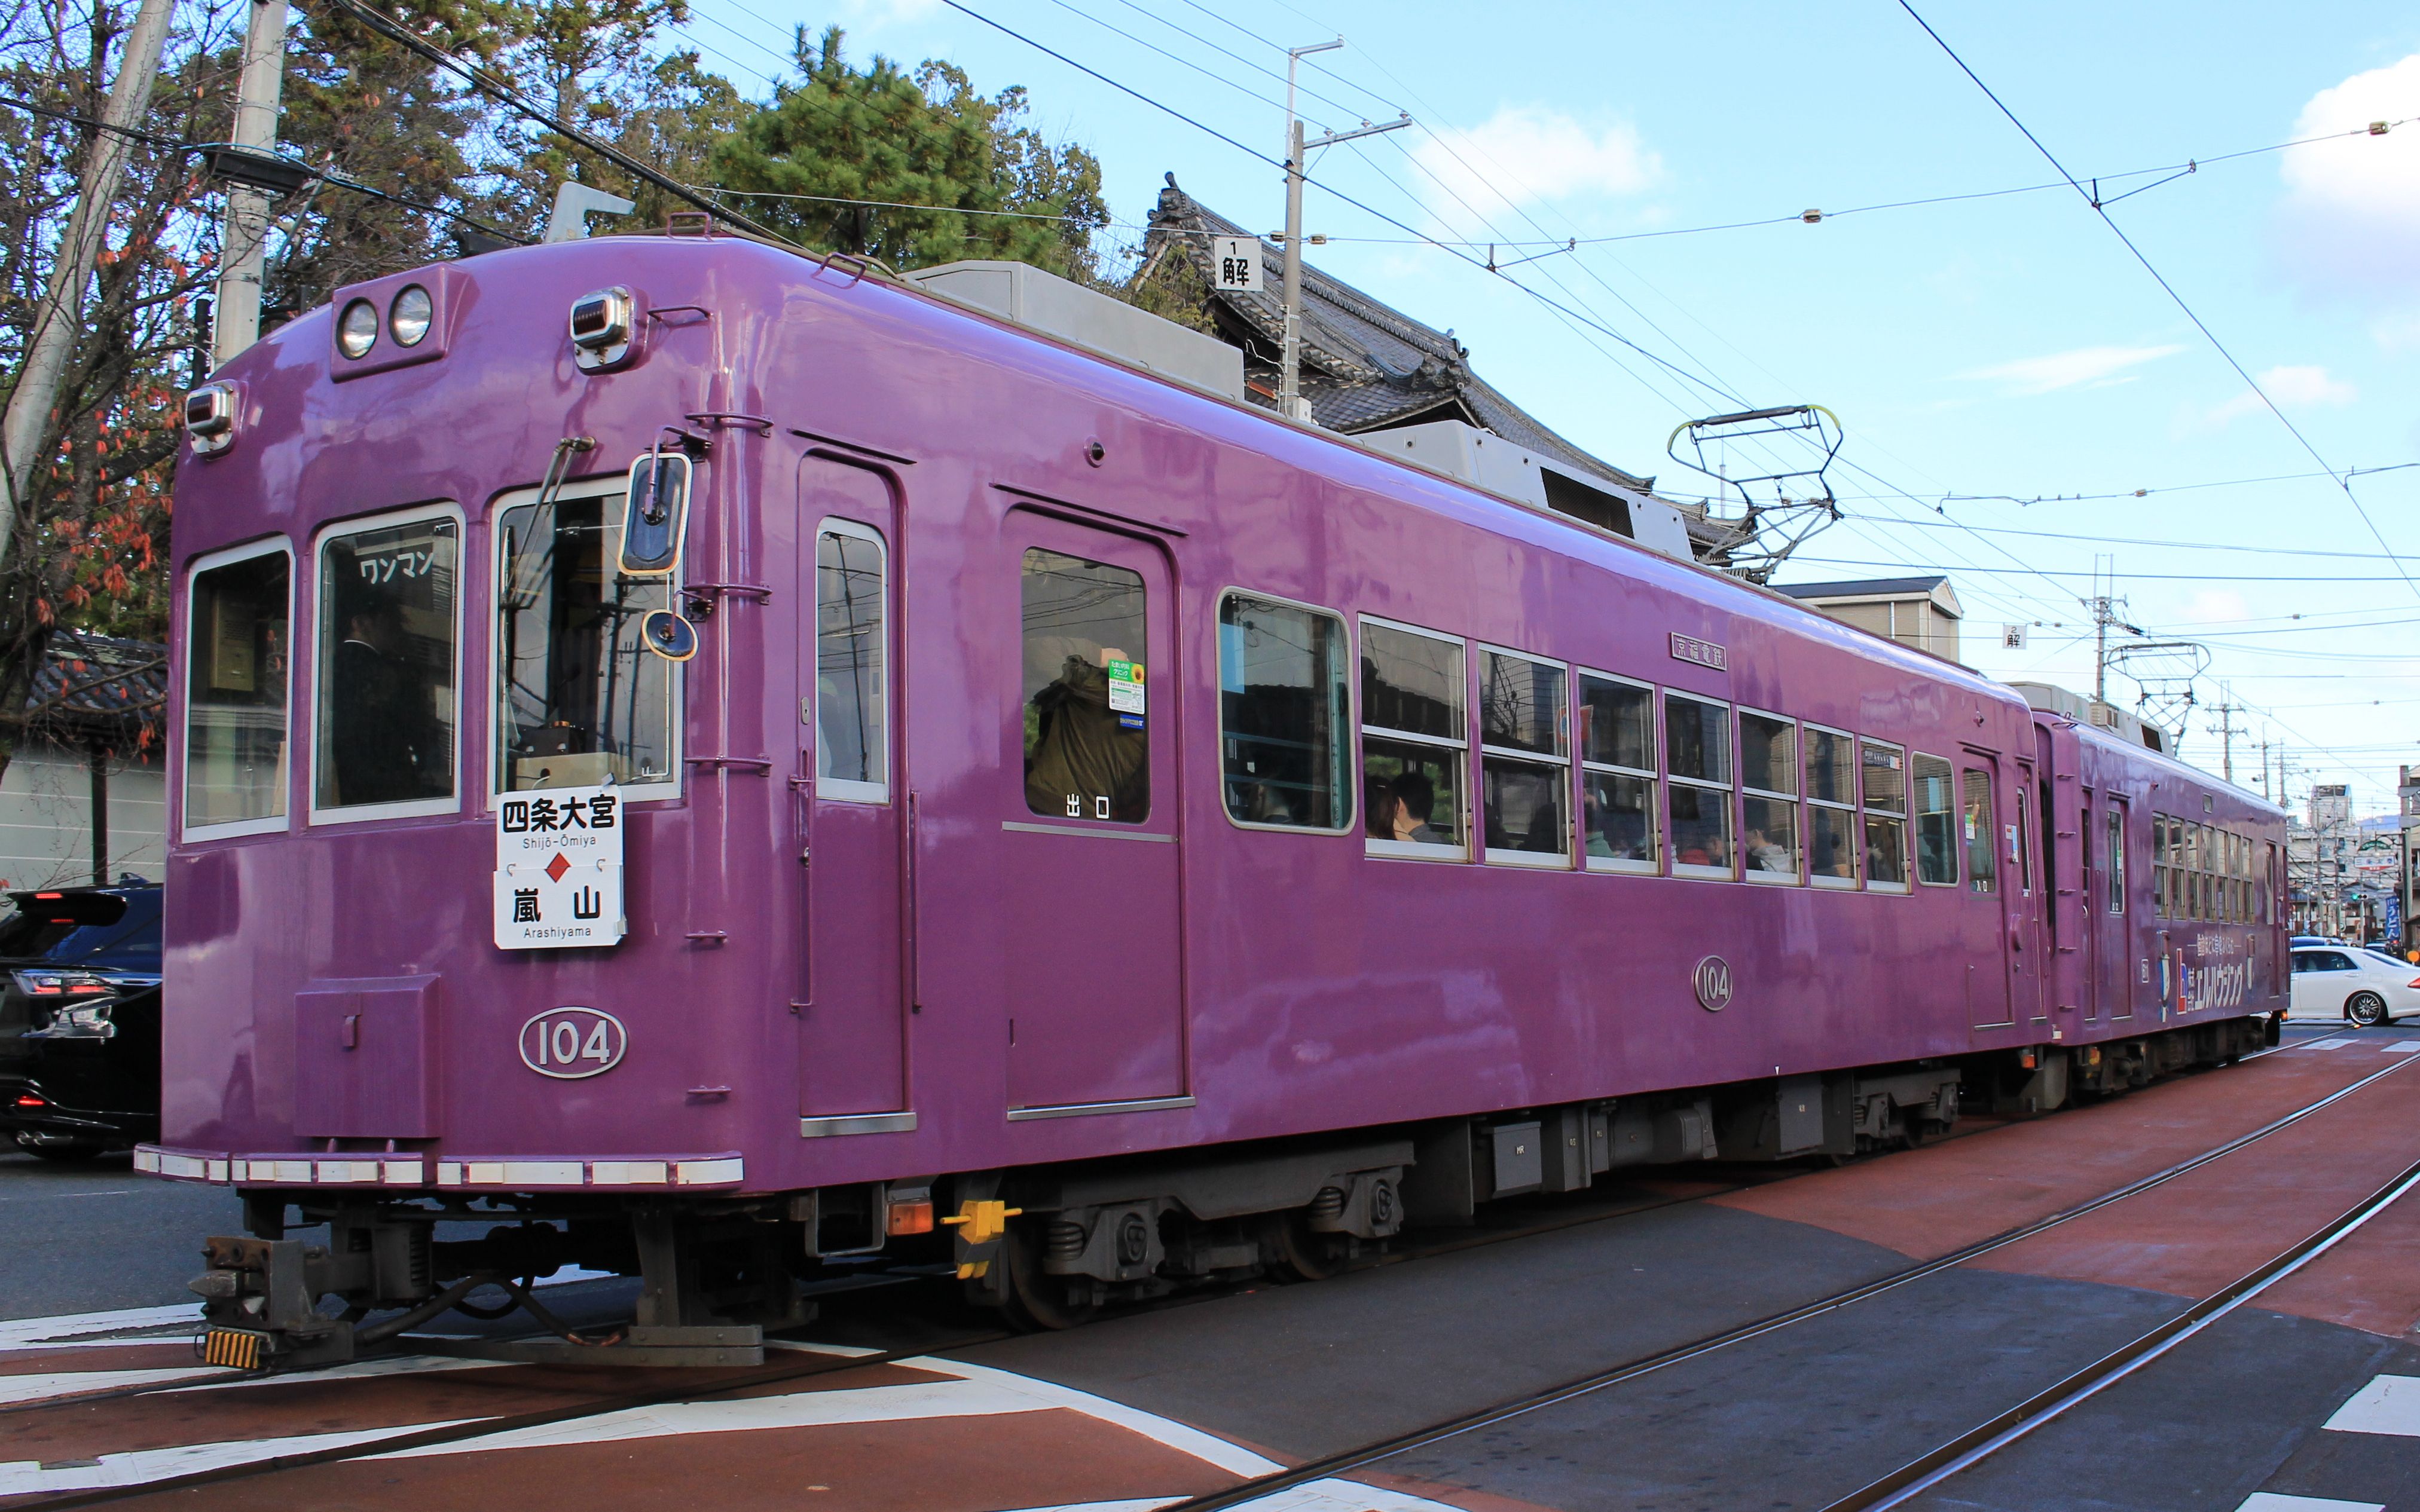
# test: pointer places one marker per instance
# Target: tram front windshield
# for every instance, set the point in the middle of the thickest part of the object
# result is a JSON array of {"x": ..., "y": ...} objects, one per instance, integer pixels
[{"x": 581, "y": 696}]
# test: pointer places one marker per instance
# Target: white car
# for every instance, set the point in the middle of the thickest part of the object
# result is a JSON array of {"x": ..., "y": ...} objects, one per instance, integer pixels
[{"x": 2345, "y": 981}]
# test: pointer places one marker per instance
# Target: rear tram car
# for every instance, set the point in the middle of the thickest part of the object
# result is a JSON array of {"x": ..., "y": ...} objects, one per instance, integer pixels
[{"x": 717, "y": 764}]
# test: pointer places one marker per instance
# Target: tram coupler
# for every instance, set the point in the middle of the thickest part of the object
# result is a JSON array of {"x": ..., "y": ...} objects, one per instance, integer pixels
[{"x": 260, "y": 1305}]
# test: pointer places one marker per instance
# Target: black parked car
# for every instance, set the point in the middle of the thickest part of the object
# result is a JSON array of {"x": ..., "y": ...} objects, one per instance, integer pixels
[{"x": 80, "y": 1019}]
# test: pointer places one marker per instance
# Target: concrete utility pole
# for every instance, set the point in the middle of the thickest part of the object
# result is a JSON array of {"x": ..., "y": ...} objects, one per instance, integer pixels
[
  {"x": 2226, "y": 730},
  {"x": 1290, "y": 400},
  {"x": 62, "y": 311},
  {"x": 243, "y": 245}
]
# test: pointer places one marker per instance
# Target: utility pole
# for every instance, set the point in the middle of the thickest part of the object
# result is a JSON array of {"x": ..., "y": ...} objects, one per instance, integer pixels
[
  {"x": 2225, "y": 710},
  {"x": 62, "y": 311},
  {"x": 244, "y": 244},
  {"x": 2105, "y": 615},
  {"x": 1291, "y": 403}
]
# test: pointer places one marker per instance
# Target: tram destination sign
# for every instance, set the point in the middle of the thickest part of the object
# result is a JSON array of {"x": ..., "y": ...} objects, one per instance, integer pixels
[{"x": 559, "y": 868}]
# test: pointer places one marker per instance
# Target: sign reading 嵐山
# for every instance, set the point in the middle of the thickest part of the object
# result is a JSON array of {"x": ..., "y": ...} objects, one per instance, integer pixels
[{"x": 559, "y": 868}]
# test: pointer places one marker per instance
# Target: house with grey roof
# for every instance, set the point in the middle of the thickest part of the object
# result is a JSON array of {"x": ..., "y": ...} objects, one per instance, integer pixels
[{"x": 1369, "y": 368}]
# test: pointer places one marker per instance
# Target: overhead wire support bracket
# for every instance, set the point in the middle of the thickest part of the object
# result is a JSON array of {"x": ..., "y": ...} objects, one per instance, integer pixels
[
  {"x": 1495, "y": 267},
  {"x": 2190, "y": 168}
]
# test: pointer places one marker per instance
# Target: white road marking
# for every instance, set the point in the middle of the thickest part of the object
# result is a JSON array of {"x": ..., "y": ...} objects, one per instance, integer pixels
[
  {"x": 2273, "y": 1502},
  {"x": 2389, "y": 1404},
  {"x": 1347, "y": 1496},
  {"x": 21, "y": 1389},
  {"x": 400, "y": 1365},
  {"x": 139, "y": 1466},
  {"x": 70, "y": 1328},
  {"x": 2404, "y": 1047},
  {"x": 2337, "y": 1044}
]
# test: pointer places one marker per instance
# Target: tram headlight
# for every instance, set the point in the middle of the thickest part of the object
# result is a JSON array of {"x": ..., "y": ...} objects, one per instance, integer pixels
[
  {"x": 601, "y": 324},
  {"x": 407, "y": 318},
  {"x": 357, "y": 329},
  {"x": 209, "y": 418}
]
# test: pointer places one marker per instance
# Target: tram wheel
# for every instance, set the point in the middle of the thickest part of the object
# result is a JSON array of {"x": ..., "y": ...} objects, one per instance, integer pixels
[
  {"x": 1303, "y": 1253},
  {"x": 1037, "y": 1301},
  {"x": 2367, "y": 1010}
]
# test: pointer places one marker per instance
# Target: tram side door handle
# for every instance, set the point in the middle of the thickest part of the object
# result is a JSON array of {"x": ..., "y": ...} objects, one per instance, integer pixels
[{"x": 805, "y": 787}]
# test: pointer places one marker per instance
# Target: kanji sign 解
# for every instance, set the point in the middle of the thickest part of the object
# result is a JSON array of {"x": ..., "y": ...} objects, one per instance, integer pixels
[
  {"x": 559, "y": 868},
  {"x": 1237, "y": 263}
]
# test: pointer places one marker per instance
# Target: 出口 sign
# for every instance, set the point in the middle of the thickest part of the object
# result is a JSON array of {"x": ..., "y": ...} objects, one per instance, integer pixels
[{"x": 559, "y": 868}]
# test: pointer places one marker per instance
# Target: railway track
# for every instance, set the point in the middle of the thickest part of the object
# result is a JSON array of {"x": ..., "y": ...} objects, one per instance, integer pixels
[
  {"x": 1957, "y": 1454},
  {"x": 825, "y": 1366}
]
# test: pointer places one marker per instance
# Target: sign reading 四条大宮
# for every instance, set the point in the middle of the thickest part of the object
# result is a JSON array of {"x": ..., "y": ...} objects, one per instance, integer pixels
[{"x": 559, "y": 868}]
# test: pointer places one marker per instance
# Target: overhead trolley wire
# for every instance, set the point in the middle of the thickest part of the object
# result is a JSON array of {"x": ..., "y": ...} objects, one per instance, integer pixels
[
  {"x": 512, "y": 98},
  {"x": 2100, "y": 207}
]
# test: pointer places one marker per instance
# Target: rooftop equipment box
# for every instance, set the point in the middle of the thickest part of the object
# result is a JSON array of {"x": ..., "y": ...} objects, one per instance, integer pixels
[{"x": 1056, "y": 306}]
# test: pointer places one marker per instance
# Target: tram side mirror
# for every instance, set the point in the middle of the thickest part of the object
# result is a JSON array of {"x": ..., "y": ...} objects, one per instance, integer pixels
[{"x": 657, "y": 515}]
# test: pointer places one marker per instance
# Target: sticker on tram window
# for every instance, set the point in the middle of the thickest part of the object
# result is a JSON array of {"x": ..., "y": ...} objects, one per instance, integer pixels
[{"x": 1125, "y": 693}]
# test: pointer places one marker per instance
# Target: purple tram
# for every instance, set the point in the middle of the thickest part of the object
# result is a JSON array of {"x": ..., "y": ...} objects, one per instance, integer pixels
[{"x": 720, "y": 764}]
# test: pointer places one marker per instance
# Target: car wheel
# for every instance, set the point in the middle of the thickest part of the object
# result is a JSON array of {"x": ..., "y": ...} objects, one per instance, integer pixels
[{"x": 2367, "y": 1010}]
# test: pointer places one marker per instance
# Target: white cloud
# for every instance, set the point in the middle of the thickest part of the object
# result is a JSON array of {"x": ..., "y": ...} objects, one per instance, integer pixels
[
  {"x": 2093, "y": 366},
  {"x": 2351, "y": 220},
  {"x": 2292, "y": 388},
  {"x": 1528, "y": 153}
]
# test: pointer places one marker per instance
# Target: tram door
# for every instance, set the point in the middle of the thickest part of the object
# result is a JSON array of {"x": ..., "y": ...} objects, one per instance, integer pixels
[
  {"x": 2115, "y": 980},
  {"x": 1089, "y": 822},
  {"x": 848, "y": 793},
  {"x": 1990, "y": 882},
  {"x": 2029, "y": 984}
]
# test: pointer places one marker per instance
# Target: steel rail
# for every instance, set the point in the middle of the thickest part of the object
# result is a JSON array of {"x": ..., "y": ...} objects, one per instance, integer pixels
[
  {"x": 1980, "y": 1442},
  {"x": 1345, "y": 1462}
]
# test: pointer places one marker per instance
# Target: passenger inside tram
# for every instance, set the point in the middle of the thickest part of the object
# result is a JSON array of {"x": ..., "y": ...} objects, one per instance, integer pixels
[
  {"x": 1412, "y": 799},
  {"x": 1764, "y": 855},
  {"x": 385, "y": 746}
]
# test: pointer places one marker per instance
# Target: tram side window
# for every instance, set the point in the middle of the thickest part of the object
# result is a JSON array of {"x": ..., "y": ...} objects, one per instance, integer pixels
[
  {"x": 1617, "y": 774},
  {"x": 1414, "y": 742},
  {"x": 580, "y": 697},
  {"x": 1087, "y": 752},
  {"x": 1768, "y": 797},
  {"x": 2116, "y": 826},
  {"x": 1831, "y": 808},
  {"x": 1282, "y": 714},
  {"x": 385, "y": 675},
  {"x": 1936, "y": 824},
  {"x": 1524, "y": 759},
  {"x": 236, "y": 673},
  {"x": 1982, "y": 850},
  {"x": 2159, "y": 865},
  {"x": 1698, "y": 756},
  {"x": 852, "y": 687},
  {"x": 1882, "y": 770}
]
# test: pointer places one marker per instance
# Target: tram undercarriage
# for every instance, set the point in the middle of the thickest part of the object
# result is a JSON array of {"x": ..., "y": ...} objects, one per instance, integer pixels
[{"x": 1050, "y": 1246}]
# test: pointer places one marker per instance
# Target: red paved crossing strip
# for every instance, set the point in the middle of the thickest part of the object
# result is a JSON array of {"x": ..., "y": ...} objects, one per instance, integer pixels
[{"x": 1929, "y": 1202}]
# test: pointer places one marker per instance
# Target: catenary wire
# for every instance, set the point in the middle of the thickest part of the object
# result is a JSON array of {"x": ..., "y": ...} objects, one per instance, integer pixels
[{"x": 2099, "y": 208}]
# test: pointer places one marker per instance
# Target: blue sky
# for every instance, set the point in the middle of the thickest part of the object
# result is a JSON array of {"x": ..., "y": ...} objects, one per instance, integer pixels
[{"x": 1979, "y": 352}]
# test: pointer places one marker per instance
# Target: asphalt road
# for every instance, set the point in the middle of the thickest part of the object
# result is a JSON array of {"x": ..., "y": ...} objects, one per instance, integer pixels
[{"x": 84, "y": 1236}]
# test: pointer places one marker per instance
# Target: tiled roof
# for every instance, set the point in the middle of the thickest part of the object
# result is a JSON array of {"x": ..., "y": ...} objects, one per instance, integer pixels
[
  {"x": 92, "y": 680},
  {"x": 1365, "y": 366}
]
